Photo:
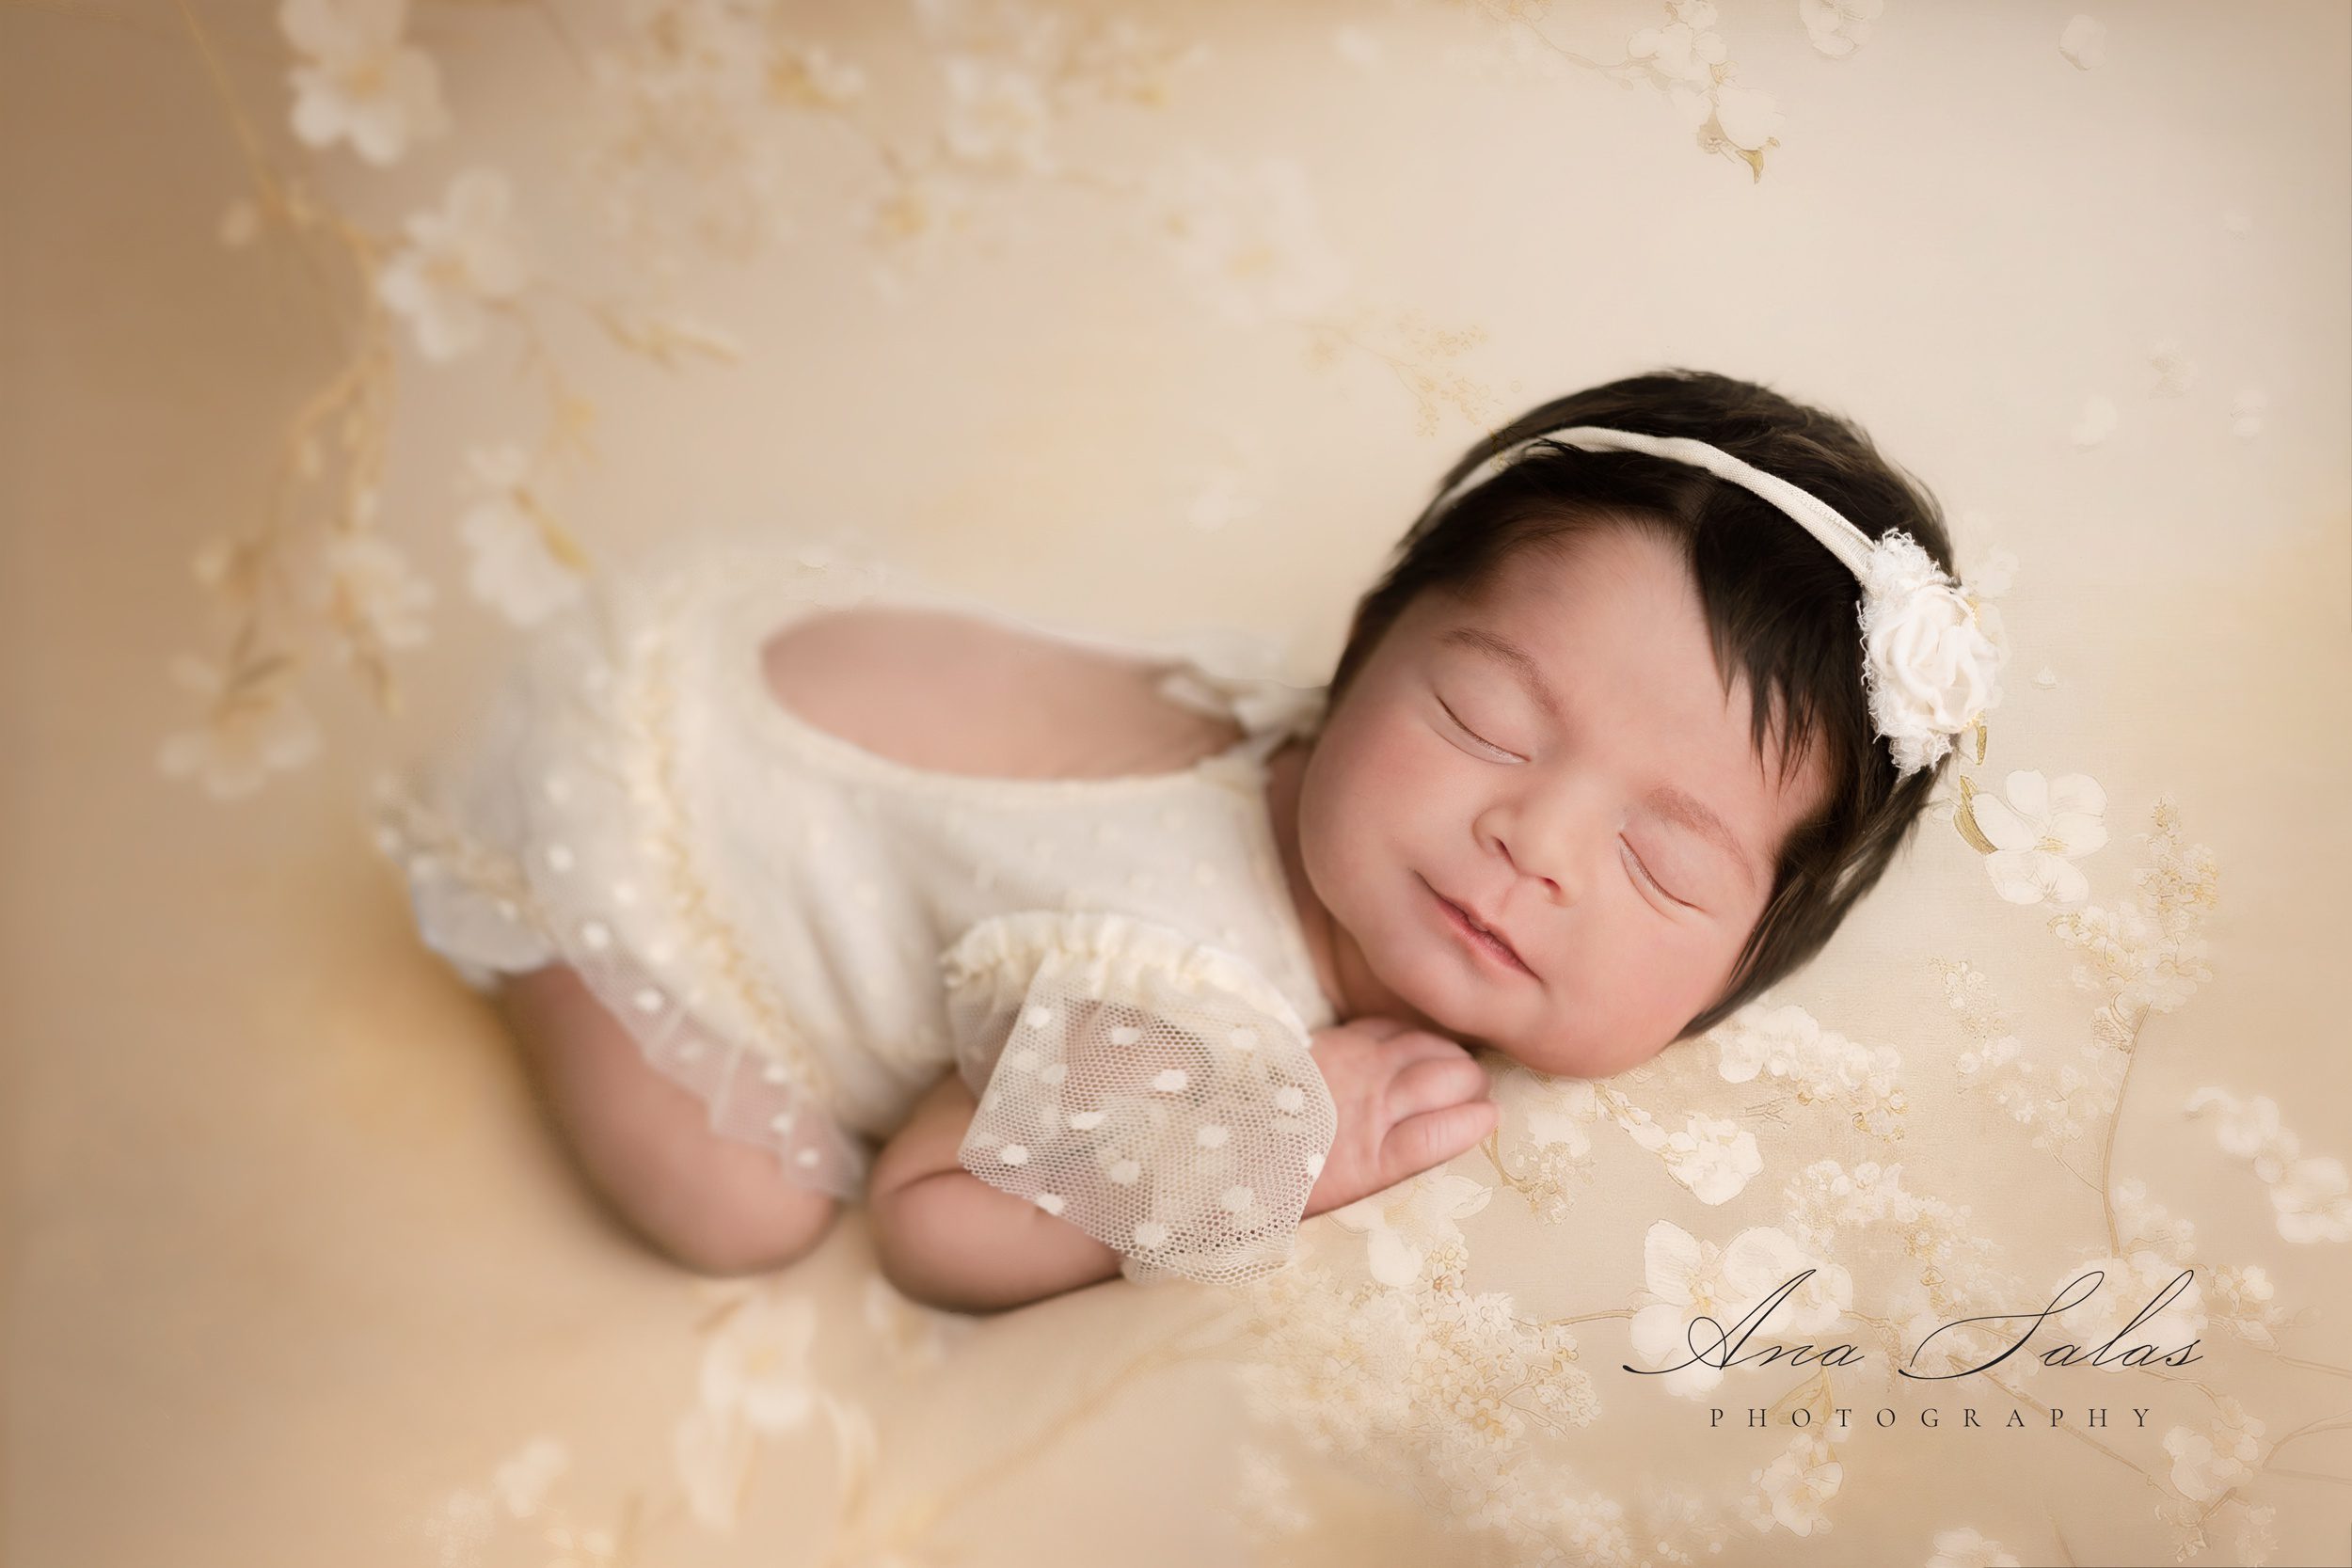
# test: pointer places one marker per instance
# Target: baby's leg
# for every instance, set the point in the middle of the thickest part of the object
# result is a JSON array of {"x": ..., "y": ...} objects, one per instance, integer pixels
[{"x": 716, "y": 1204}]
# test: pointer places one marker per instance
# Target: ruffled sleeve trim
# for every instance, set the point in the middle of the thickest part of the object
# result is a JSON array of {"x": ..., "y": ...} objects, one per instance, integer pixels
[{"x": 1104, "y": 953}]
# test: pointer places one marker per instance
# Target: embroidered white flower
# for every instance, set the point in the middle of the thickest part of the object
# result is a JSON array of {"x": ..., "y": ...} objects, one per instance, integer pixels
[
  {"x": 758, "y": 1364},
  {"x": 2133, "y": 954},
  {"x": 1687, "y": 50},
  {"x": 526, "y": 564},
  {"x": 465, "y": 254},
  {"x": 2246, "y": 1302},
  {"x": 712, "y": 1454},
  {"x": 1402, "y": 1226},
  {"x": 2096, "y": 422},
  {"x": 2148, "y": 1223},
  {"x": 1685, "y": 1279},
  {"x": 997, "y": 117},
  {"x": 249, "y": 726},
  {"x": 1827, "y": 1197},
  {"x": 1688, "y": 1279},
  {"x": 1928, "y": 665},
  {"x": 1558, "y": 1112},
  {"x": 1265, "y": 1495},
  {"x": 2174, "y": 371},
  {"x": 1745, "y": 118},
  {"x": 1992, "y": 572},
  {"x": 2126, "y": 1287},
  {"x": 1761, "y": 1260},
  {"x": 359, "y": 82},
  {"x": 2247, "y": 410},
  {"x": 1713, "y": 1156},
  {"x": 521, "y": 1482},
  {"x": 1968, "y": 1548},
  {"x": 2036, "y": 834},
  {"x": 1791, "y": 1490},
  {"x": 2250, "y": 1129},
  {"x": 2084, "y": 42},
  {"x": 371, "y": 593},
  {"x": 1838, "y": 27},
  {"x": 914, "y": 1337},
  {"x": 2311, "y": 1197},
  {"x": 1687, "y": 61},
  {"x": 1788, "y": 1042},
  {"x": 2207, "y": 1463},
  {"x": 2314, "y": 1201},
  {"x": 2257, "y": 1535}
]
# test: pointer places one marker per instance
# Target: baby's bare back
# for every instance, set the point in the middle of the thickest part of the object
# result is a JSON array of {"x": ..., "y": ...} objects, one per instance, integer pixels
[{"x": 952, "y": 693}]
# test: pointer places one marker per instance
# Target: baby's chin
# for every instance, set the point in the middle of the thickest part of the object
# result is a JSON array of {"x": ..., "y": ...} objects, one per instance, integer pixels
[
  {"x": 1550, "y": 1060},
  {"x": 1427, "y": 989},
  {"x": 1558, "y": 1058},
  {"x": 1429, "y": 997}
]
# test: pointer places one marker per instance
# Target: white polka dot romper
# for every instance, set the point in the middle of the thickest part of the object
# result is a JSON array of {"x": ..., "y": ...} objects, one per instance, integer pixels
[{"x": 807, "y": 934}]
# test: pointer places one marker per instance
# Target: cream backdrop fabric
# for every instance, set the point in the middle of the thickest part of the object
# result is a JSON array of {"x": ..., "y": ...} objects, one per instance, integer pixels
[{"x": 373, "y": 327}]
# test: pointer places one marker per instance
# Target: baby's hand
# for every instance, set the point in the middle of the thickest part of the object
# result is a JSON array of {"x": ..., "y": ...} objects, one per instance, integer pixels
[{"x": 1407, "y": 1100}]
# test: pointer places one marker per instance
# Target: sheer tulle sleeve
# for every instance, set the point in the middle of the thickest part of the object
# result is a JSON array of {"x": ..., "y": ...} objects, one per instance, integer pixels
[{"x": 1154, "y": 1091}]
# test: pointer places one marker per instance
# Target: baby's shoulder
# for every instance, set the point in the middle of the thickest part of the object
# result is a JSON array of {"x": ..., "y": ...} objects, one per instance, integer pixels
[{"x": 955, "y": 693}]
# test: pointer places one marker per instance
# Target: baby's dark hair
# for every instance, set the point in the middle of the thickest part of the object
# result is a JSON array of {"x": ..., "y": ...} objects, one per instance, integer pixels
[{"x": 1780, "y": 607}]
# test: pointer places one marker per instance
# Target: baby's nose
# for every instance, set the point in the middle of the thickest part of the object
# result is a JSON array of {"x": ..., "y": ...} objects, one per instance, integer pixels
[{"x": 1555, "y": 840}]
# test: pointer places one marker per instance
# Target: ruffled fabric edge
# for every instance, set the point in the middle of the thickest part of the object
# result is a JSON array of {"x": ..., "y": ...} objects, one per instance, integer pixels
[
  {"x": 1155, "y": 1091},
  {"x": 585, "y": 728},
  {"x": 1108, "y": 951},
  {"x": 1263, "y": 705}
]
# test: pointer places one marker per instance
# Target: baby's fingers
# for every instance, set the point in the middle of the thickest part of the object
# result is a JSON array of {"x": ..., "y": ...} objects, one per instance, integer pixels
[
  {"x": 1430, "y": 1139},
  {"x": 1433, "y": 1081}
]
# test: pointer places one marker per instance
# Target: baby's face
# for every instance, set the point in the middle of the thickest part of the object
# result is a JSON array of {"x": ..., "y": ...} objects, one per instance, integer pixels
[{"x": 1570, "y": 823}]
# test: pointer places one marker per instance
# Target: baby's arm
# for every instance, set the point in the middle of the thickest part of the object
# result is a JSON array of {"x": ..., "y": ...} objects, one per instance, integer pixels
[
  {"x": 949, "y": 1239},
  {"x": 1407, "y": 1101}
]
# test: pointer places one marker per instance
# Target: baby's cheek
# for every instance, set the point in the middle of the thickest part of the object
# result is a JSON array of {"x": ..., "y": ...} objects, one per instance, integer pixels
[
  {"x": 1602, "y": 1014},
  {"x": 1411, "y": 774},
  {"x": 1361, "y": 779}
]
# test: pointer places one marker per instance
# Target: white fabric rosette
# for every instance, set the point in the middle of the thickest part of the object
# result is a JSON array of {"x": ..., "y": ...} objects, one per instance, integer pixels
[{"x": 1928, "y": 664}]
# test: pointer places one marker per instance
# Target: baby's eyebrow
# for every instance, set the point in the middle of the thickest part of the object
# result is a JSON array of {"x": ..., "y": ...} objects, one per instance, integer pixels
[
  {"x": 1692, "y": 813},
  {"x": 1673, "y": 801},
  {"x": 1522, "y": 664}
]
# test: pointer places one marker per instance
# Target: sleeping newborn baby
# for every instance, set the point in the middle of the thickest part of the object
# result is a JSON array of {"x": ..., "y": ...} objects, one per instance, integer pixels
[{"x": 798, "y": 886}]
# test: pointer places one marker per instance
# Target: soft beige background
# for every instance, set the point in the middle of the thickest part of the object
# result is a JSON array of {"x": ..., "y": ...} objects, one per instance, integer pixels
[{"x": 292, "y": 1272}]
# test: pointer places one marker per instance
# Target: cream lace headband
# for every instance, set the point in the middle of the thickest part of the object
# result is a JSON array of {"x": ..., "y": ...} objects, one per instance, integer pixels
[{"x": 1927, "y": 666}]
